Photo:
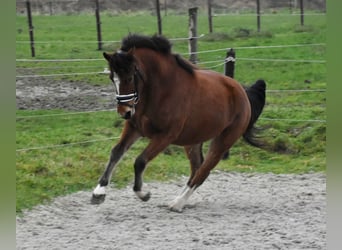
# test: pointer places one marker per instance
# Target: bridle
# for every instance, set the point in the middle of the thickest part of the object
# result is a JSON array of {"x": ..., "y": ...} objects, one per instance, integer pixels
[{"x": 125, "y": 99}]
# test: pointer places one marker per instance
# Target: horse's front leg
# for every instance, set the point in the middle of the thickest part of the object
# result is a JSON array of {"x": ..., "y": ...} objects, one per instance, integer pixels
[
  {"x": 128, "y": 137},
  {"x": 152, "y": 150}
]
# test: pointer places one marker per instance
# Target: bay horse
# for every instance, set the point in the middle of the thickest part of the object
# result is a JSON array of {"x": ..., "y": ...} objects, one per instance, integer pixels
[{"x": 168, "y": 100}]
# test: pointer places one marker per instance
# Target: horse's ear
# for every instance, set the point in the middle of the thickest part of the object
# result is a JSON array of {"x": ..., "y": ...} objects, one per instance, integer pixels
[{"x": 106, "y": 56}]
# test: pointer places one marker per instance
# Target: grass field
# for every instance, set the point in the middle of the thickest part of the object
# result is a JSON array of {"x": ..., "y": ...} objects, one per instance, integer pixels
[{"x": 293, "y": 121}]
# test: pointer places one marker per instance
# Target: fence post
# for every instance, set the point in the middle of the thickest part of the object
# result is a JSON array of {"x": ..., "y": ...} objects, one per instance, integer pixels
[
  {"x": 258, "y": 14},
  {"x": 230, "y": 63},
  {"x": 50, "y": 8},
  {"x": 98, "y": 25},
  {"x": 301, "y": 12},
  {"x": 165, "y": 7},
  {"x": 229, "y": 68},
  {"x": 290, "y": 6},
  {"x": 210, "y": 17},
  {"x": 193, "y": 34},
  {"x": 159, "y": 18},
  {"x": 29, "y": 18}
]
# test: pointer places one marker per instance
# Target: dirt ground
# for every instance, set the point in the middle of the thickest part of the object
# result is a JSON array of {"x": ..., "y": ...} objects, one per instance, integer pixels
[
  {"x": 229, "y": 211},
  {"x": 46, "y": 93}
]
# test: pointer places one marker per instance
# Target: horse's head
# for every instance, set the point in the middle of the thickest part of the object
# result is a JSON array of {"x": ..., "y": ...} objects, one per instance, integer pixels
[{"x": 124, "y": 65}]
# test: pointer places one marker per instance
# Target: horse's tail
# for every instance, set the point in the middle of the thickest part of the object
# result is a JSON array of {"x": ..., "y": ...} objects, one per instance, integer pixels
[{"x": 256, "y": 95}]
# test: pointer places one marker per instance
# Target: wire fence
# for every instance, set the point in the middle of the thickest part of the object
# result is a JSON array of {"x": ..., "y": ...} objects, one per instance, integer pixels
[
  {"x": 206, "y": 64},
  {"x": 65, "y": 145},
  {"x": 220, "y": 7},
  {"x": 216, "y": 12},
  {"x": 117, "y": 137},
  {"x": 154, "y": 6},
  {"x": 111, "y": 110}
]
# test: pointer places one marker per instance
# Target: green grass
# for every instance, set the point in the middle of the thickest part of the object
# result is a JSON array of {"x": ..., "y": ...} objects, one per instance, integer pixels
[{"x": 299, "y": 146}]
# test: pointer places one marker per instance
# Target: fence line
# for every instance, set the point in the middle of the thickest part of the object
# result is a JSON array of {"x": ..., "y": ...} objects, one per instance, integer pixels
[
  {"x": 93, "y": 41},
  {"x": 57, "y": 67},
  {"x": 268, "y": 14},
  {"x": 199, "y": 52},
  {"x": 107, "y": 110},
  {"x": 238, "y": 58},
  {"x": 187, "y": 53},
  {"x": 293, "y": 120},
  {"x": 295, "y": 90},
  {"x": 111, "y": 110},
  {"x": 257, "y": 47},
  {"x": 281, "y": 60},
  {"x": 220, "y": 64},
  {"x": 96, "y": 8},
  {"x": 58, "y": 60},
  {"x": 65, "y": 74},
  {"x": 262, "y": 59},
  {"x": 217, "y": 65},
  {"x": 65, "y": 114},
  {"x": 65, "y": 145},
  {"x": 69, "y": 41},
  {"x": 117, "y": 137}
]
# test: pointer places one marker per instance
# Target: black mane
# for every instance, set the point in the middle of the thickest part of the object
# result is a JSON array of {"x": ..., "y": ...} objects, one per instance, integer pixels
[{"x": 157, "y": 43}]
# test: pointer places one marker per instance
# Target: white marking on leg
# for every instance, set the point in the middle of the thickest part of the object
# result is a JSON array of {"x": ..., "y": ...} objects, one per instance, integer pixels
[
  {"x": 99, "y": 190},
  {"x": 185, "y": 188},
  {"x": 178, "y": 203},
  {"x": 140, "y": 194}
]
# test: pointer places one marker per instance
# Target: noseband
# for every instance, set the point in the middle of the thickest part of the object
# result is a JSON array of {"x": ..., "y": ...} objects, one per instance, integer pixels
[{"x": 124, "y": 99}]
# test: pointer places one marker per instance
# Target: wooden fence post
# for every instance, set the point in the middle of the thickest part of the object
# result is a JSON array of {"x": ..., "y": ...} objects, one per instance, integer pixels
[
  {"x": 98, "y": 25},
  {"x": 50, "y": 8},
  {"x": 229, "y": 69},
  {"x": 193, "y": 34},
  {"x": 301, "y": 12},
  {"x": 230, "y": 63},
  {"x": 159, "y": 18},
  {"x": 291, "y": 6},
  {"x": 165, "y": 7},
  {"x": 210, "y": 17},
  {"x": 258, "y": 14},
  {"x": 29, "y": 17}
]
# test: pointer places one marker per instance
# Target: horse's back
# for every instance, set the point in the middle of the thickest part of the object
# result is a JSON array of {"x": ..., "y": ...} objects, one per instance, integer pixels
[
  {"x": 220, "y": 88},
  {"x": 216, "y": 102}
]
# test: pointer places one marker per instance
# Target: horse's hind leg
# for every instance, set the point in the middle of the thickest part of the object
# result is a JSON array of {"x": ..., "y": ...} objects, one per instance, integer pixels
[
  {"x": 214, "y": 155},
  {"x": 216, "y": 150},
  {"x": 128, "y": 137},
  {"x": 195, "y": 155}
]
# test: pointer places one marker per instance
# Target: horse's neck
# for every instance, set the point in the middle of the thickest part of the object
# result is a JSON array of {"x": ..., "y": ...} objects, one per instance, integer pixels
[{"x": 154, "y": 65}]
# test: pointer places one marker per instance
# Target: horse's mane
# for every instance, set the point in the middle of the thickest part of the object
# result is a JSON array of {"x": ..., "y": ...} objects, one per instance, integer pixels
[{"x": 157, "y": 43}]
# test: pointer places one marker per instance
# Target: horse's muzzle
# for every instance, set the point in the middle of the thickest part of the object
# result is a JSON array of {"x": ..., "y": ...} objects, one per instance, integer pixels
[
  {"x": 127, "y": 115},
  {"x": 125, "y": 112}
]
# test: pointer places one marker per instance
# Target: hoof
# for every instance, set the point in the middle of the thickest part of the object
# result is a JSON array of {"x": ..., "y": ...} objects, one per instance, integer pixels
[
  {"x": 176, "y": 209},
  {"x": 146, "y": 197},
  {"x": 176, "y": 206},
  {"x": 97, "y": 199},
  {"x": 143, "y": 196}
]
